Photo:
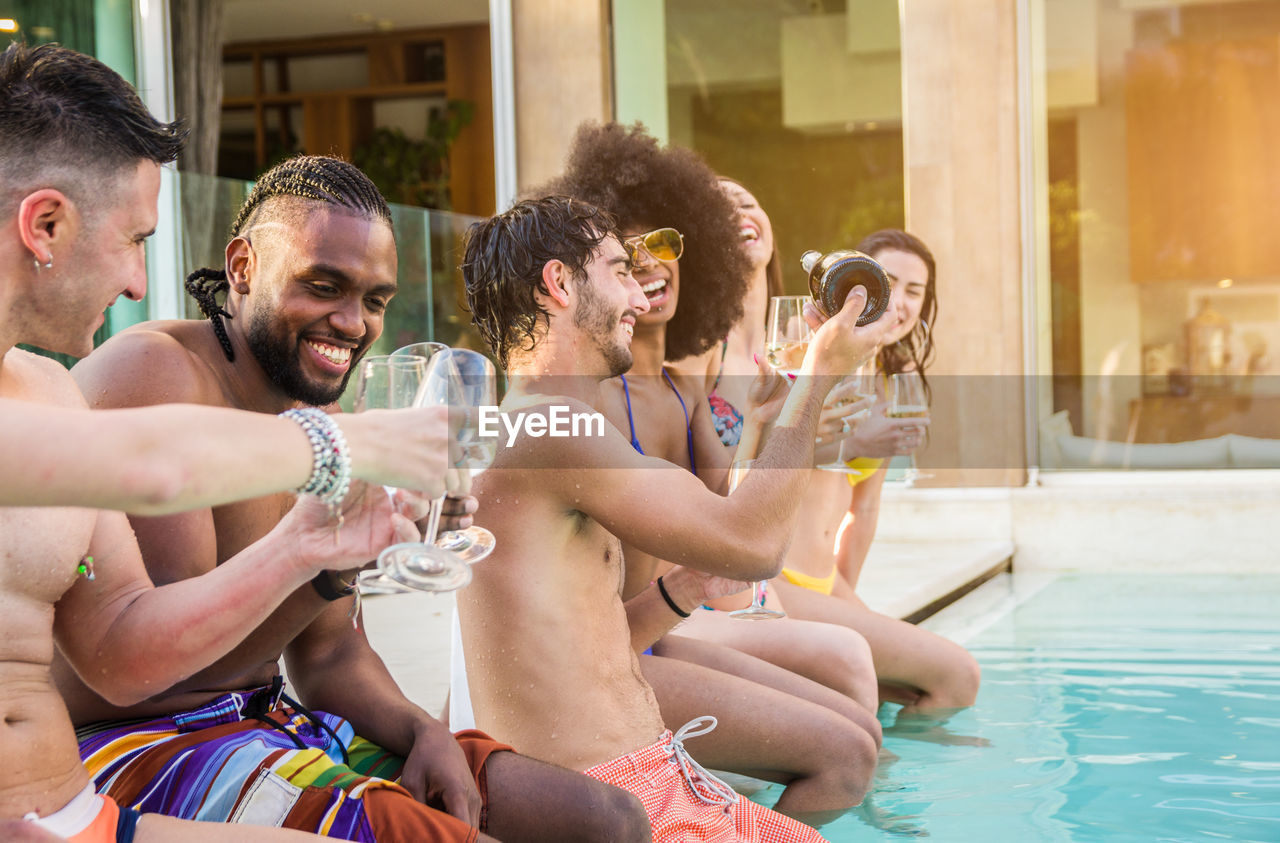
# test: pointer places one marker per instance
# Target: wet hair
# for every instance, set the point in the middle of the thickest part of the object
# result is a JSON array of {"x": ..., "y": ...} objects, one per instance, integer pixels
[
  {"x": 623, "y": 170},
  {"x": 503, "y": 258},
  {"x": 312, "y": 178},
  {"x": 774, "y": 285},
  {"x": 69, "y": 122},
  {"x": 916, "y": 349}
]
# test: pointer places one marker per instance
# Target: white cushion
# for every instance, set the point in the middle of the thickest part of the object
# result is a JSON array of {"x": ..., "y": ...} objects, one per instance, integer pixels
[
  {"x": 1055, "y": 426},
  {"x": 1252, "y": 452},
  {"x": 1083, "y": 452}
]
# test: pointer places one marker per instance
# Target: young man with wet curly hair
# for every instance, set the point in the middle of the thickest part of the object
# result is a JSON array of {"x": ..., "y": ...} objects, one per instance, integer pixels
[
  {"x": 780, "y": 724},
  {"x": 544, "y": 619}
]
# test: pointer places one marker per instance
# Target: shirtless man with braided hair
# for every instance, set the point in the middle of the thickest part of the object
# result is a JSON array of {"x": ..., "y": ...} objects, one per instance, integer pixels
[{"x": 309, "y": 272}]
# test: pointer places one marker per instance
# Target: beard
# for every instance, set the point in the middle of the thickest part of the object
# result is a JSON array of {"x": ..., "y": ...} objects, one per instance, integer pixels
[
  {"x": 279, "y": 358},
  {"x": 594, "y": 317}
]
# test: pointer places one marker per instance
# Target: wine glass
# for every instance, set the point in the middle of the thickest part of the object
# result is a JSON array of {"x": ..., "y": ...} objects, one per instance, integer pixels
[
  {"x": 425, "y": 350},
  {"x": 862, "y": 386},
  {"x": 392, "y": 383},
  {"x": 907, "y": 400},
  {"x": 756, "y": 611},
  {"x": 473, "y": 543},
  {"x": 464, "y": 381},
  {"x": 789, "y": 334}
]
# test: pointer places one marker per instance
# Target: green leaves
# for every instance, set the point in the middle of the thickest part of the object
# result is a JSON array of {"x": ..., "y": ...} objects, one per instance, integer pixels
[{"x": 416, "y": 172}]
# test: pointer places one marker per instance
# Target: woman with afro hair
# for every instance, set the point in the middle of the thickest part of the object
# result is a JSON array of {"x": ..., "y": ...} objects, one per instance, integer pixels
[{"x": 773, "y": 723}]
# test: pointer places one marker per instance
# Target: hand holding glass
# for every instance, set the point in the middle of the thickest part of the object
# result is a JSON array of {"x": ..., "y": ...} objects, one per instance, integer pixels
[{"x": 861, "y": 387}]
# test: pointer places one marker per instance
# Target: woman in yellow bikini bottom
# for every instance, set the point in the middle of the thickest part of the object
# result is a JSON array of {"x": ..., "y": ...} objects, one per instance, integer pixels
[{"x": 860, "y": 468}]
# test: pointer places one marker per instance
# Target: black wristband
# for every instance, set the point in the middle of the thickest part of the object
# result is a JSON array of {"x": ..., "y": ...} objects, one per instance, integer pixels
[
  {"x": 662, "y": 589},
  {"x": 323, "y": 583}
]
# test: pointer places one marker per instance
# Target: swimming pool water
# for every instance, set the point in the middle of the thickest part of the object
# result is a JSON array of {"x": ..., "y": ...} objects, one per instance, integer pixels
[{"x": 1113, "y": 708}]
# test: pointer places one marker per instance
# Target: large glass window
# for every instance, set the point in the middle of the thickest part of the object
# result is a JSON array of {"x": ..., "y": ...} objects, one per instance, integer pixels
[
  {"x": 428, "y": 305},
  {"x": 1162, "y": 187},
  {"x": 800, "y": 100}
]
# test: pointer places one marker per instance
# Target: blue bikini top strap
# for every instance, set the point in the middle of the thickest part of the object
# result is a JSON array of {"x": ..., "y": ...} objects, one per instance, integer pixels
[
  {"x": 688, "y": 428},
  {"x": 635, "y": 443}
]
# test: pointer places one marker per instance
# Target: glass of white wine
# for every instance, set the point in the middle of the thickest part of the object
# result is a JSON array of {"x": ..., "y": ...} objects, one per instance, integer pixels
[
  {"x": 861, "y": 386},
  {"x": 756, "y": 611},
  {"x": 788, "y": 334},
  {"x": 391, "y": 383},
  {"x": 473, "y": 543},
  {"x": 908, "y": 400}
]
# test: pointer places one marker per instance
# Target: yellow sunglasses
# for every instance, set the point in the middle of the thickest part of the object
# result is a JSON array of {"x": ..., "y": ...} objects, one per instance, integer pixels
[{"x": 664, "y": 244}]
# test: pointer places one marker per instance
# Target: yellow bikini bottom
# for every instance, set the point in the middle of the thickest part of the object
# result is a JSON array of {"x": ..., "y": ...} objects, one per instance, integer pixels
[
  {"x": 822, "y": 585},
  {"x": 860, "y": 468}
]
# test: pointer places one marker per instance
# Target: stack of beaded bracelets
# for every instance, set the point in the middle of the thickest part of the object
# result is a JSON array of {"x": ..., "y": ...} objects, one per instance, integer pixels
[{"x": 330, "y": 460}]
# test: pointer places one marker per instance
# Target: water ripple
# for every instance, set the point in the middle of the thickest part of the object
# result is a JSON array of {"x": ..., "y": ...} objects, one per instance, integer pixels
[{"x": 1131, "y": 758}]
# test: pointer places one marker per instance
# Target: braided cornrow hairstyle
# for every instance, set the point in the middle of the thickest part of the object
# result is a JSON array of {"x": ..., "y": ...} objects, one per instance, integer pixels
[
  {"x": 203, "y": 285},
  {"x": 315, "y": 178},
  {"x": 319, "y": 179}
]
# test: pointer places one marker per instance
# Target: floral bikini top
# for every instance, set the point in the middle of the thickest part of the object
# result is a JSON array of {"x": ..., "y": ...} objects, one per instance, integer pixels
[{"x": 728, "y": 420}]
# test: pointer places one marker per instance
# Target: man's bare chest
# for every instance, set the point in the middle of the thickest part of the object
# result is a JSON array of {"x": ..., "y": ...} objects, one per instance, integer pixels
[{"x": 40, "y": 548}]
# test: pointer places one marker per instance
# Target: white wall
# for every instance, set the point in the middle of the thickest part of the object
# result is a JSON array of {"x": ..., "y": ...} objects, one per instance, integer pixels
[{"x": 1158, "y": 521}]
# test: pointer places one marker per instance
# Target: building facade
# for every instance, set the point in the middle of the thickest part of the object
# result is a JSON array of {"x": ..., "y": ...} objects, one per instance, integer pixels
[{"x": 1096, "y": 179}]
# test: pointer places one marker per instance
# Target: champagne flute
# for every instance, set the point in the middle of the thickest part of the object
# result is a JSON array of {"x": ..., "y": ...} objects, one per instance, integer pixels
[
  {"x": 463, "y": 380},
  {"x": 392, "y": 383},
  {"x": 862, "y": 384},
  {"x": 789, "y": 334},
  {"x": 756, "y": 611},
  {"x": 907, "y": 400}
]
